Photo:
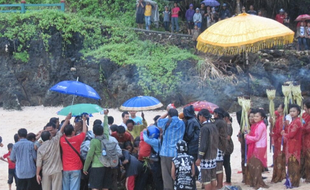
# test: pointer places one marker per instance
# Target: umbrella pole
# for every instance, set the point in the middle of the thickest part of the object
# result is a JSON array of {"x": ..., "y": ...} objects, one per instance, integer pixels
[
  {"x": 77, "y": 79},
  {"x": 247, "y": 65},
  {"x": 72, "y": 100}
]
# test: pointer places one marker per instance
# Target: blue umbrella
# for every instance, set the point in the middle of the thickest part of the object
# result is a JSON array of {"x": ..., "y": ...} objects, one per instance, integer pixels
[
  {"x": 141, "y": 103},
  {"x": 211, "y": 3},
  {"x": 75, "y": 88}
]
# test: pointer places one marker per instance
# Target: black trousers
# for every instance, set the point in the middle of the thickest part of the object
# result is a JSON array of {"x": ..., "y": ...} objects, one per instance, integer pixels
[
  {"x": 28, "y": 184},
  {"x": 227, "y": 167},
  {"x": 156, "y": 174}
]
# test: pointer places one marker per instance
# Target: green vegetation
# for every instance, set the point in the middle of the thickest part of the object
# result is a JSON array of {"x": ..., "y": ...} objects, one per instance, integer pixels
[{"x": 104, "y": 27}]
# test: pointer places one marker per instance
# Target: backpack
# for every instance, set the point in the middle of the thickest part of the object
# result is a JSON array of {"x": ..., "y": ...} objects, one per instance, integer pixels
[{"x": 109, "y": 156}]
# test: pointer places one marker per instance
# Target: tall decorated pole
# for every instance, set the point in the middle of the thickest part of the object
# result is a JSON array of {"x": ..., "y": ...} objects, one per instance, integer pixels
[
  {"x": 271, "y": 94},
  {"x": 287, "y": 92},
  {"x": 246, "y": 105}
]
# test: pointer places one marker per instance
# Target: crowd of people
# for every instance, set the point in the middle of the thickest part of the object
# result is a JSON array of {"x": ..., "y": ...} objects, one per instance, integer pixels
[
  {"x": 130, "y": 155},
  {"x": 174, "y": 152}
]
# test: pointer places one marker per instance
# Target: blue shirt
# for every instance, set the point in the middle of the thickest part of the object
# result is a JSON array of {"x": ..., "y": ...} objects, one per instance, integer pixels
[
  {"x": 154, "y": 143},
  {"x": 173, "y": 134},
  {"x": 137, "y": 120},
  {"x": 24, "y": 155}
]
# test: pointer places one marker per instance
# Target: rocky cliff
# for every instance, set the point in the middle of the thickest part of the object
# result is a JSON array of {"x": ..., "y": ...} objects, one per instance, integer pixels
[{"x": 217, "y": 79}]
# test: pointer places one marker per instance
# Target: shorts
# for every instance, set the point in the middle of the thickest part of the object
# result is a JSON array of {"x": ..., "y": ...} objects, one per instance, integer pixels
[
  {"x": 219, "y": 167},
  {"x": 208, "y": 175},
  {"x": 190, "y": 25},
  {"x": 100, "y": 178},
  {"x": 198, "y": 24},
  {"x": 139, "y": 18},
  {"x": 11, "y": 176}
]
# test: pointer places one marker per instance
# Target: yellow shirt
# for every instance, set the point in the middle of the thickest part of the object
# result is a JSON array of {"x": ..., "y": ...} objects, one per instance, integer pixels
[
  {"x": 137, "y": 129},
  {"x": 148, "y": 10}
]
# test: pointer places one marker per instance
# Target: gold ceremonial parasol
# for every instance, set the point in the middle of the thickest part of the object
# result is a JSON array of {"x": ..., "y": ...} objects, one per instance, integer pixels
[{"x": 243, "y": 33}]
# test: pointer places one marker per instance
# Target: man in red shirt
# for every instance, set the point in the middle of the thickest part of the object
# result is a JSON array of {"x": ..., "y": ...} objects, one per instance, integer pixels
[
  {"x": 71, "y": 160},
  {"x": 11, "y": 166},
  {"x": 280, "y": 17},
  {"x": 121, "y": 135}
]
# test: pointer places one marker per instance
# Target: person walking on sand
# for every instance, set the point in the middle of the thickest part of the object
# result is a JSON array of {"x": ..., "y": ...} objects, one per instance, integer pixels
[
  {"x": 222, "y": 129},
  {"x": 256, "y": 141},
  {"x": 293, "y": 138},
  {"x": 71, "y": 160},
  {"x": 24, "y": 155},
  {"x": 208, "y": 146},
  {"x": 183, "y": 168},
  {"x": 1, "y": 145},
  {"x": 173, "y": 131},
  {"x": 49, "y": 160},
  {"x": 11, "y": 173}
]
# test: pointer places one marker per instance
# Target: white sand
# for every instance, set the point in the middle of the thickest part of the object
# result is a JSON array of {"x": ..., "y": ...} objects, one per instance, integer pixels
[{"x": 34, "y": 118}]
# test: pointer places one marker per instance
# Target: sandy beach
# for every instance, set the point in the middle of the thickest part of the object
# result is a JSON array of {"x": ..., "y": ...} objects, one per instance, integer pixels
[{"x": 34, "y": 118}]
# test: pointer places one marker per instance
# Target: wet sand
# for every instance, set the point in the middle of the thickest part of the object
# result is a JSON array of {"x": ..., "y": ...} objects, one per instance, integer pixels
[{"x": 35, "y": 118}]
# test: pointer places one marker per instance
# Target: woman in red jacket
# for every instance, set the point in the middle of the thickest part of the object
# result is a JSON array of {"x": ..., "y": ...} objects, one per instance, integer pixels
[
  {"x": 306, "y": 140},
  {"x": 278, "y": 155},
  {"x": 292, "y": 137}
]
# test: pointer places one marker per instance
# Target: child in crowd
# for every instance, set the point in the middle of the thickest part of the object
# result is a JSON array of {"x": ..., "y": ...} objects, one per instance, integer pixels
[
  {"x": 308, "y": 33},
  {"x": 195, "y": 36},
  {"x": 11, "y": 166},
  {"x": 147, "y": 16},
  {"x": 1, "y": 145},
  {"x": 183, "y": 168},
  {"x": 301, "y": 36},
  {"x": 166, "y": 15},
  {"x": 197, "y": 18}
]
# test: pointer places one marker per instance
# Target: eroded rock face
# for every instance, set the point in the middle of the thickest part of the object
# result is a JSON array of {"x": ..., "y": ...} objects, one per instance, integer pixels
[{"x": 27, "y": 84}]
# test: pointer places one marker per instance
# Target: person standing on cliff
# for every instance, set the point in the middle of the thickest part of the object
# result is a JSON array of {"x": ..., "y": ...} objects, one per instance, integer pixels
[
  {"x": 224, "y": 13},
  {"x": 166, "y": 15},
  {"x": 175, "y": 17},
  {"x": 189, "y": 18},
  {"x": 252, "y": 11},
  {"x": 147, "y": 15},
  {"x": 280, "y": 17},
  {"x": 140, "y": 13}
]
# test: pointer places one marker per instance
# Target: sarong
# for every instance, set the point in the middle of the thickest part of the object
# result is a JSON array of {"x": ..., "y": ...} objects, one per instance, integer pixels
[
  {"x": 294, "y": 171},
  {"x": 256, "y": 168},
  {"x": 278, "y": 168}
]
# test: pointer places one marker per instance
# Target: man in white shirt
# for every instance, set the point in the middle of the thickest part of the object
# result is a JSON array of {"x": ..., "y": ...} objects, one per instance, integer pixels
[{"x": 125, "y": 117}]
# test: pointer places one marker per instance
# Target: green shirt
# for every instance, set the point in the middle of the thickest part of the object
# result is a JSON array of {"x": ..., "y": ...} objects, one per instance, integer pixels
[
  {"x": 106, "y": 129},
  {"x": 93, "y": 155}
]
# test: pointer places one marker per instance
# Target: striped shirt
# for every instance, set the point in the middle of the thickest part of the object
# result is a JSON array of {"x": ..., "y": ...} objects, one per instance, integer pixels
[
  {"x": 173, "y": 134},
  {"x": 24, "y": 155}
]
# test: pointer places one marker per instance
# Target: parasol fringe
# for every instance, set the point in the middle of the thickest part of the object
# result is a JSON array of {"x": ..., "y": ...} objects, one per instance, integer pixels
[{"x": 254, "y": 47}]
